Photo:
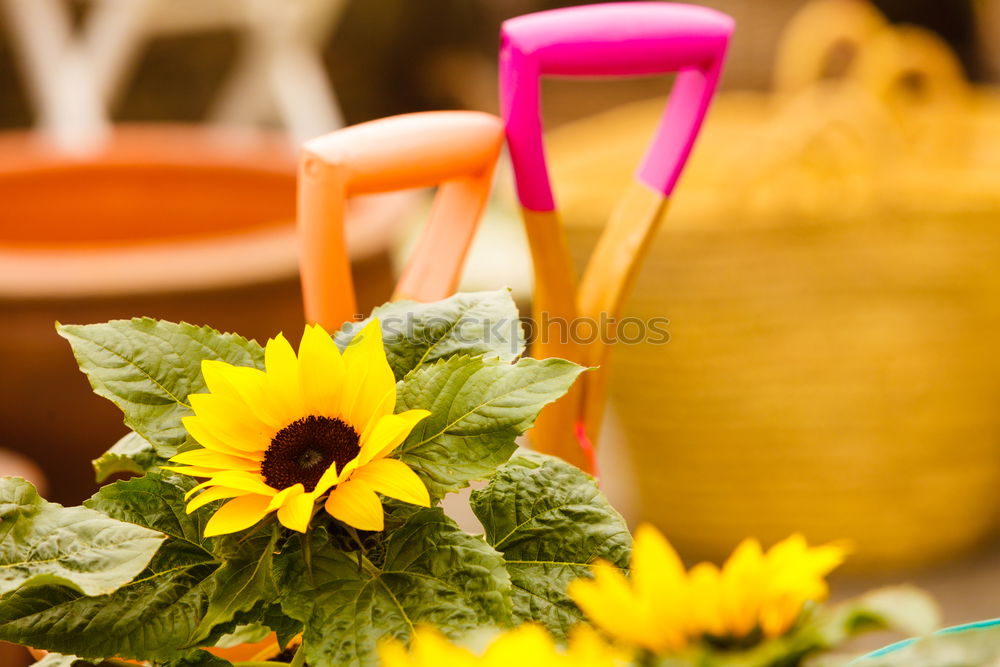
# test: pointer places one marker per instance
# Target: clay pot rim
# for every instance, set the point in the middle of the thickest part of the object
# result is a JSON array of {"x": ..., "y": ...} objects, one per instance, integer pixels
[
  {"x": 127, "y": 144},
  {"x": 258, "y": 255}
]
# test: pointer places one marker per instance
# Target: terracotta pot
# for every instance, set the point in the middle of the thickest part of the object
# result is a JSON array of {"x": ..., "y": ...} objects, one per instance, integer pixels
[
  {"x": 174, "y": 222},
  {"x": 12, "y": 655}
]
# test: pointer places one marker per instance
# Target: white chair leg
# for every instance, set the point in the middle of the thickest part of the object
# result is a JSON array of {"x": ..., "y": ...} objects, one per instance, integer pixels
[
  {"x": 279, "y": 77},
  {"x": 113, "y": 35},
  {"x": 58, "y": 74},
  {"x": 246, "y": 98},
  {"x": 280, "y": 74},
  {"x": 303, "y": 93}
]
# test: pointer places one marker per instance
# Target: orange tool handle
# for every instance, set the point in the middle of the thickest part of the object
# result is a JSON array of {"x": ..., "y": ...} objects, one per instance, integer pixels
[{"x": 456, "y": 150}]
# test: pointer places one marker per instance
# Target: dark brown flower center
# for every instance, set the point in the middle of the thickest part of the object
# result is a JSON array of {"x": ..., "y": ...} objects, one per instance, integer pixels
[{"x": 302, "y": 451}]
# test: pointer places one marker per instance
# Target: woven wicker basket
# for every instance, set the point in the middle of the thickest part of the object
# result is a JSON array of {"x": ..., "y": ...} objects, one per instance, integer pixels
[{"x": 831, "y": 270}]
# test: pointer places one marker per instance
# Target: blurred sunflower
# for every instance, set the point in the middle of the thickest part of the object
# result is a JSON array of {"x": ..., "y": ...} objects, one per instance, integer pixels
[
  {"x": 663, "y": 608},
  {"x": 279, "y": 439},
  {"x": 528, "y": 645}
]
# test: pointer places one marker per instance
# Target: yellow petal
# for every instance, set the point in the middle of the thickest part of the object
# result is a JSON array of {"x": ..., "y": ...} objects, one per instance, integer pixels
[
  {"x": 587, "y": 648},
  {"x": 389, "y": 432},
  {"x": 609, "y": 601},
  {"x": 392, "y": 653},
  {"x": 210, "y": 459},
  {"x": 279, "y": 498},
  {"x": 247, "y": 384},
  {"x": 368, "y": 378},
  {"x": 238, "y": 479},
  {"x": 231, "y": 422},
  {"x": 385, "y": 407},
  {"x": 527, "y": 644},
  {"x": 349, "y": 469},
  {"x": 393, "y": 478},
  {"x": 214, "y": 493},
  {"x": 660, "y": 583},
  {"x": 209, "y": 440},
  {"x": 822, "y": 560},
  {"x": 296, "y": 510},
  {"x": 192, "y": 471},
  {"x": 216, "y": 376},
  {"x": 430, "y": 648},
  {"x": 657, "y": 570},
  {"x": 321, "y": 373},
  {"x": 329, "y": 477},
  {"x": 778, "y": 615},
  {"x": 742, "y": 588},
  {"x": 356, "y": 504},
  {"x": 283, "y": 387},
  {"x": 703, "y": 614},
  {"x": 236, "y": 515}
]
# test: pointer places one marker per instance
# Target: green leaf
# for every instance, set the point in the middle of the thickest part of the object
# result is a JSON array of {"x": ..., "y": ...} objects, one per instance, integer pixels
[
  {"x": 550, "y": 522},
  {"x": 243, "y": 634},
  {"x": 472, "y": 324},
  {"x": 151, "y": 618},
  {"x": 478, "y": 408},
  {"x": 46, "y": 543},
  {"x": 905, "y": 609},
  {"x": 155, "y": 616},
  {"x": 132, "y": 453},
  {"x": 155, "y": 501},
  {"x": 284, "y": 626},
  {"x": 432, "y": 572},
  {"x": 243, "y": 580},
  {"x": 148, "y": 367}
]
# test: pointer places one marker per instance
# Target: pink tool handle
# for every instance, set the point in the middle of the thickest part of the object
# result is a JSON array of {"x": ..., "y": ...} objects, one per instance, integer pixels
[{"x": 619, "y": 39}]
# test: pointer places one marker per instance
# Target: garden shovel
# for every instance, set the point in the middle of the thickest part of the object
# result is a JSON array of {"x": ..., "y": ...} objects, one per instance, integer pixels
[
  {"x": 620, "y": 39},
  {"x": 455, "y": 150}
]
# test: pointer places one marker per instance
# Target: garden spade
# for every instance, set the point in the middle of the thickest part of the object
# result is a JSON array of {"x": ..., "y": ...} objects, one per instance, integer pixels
[
  {"x": 455, "y": 150},
  {"x": 608, "y": 40}
]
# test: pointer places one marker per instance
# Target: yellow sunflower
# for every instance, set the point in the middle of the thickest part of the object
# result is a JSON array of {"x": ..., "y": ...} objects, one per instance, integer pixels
[
  {"x": 663, "y": 608},
  {"x": 279, "y": 439},
  {"x": 528, "y": 645}
]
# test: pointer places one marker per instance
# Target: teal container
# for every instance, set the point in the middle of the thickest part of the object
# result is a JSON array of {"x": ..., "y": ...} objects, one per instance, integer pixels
[{"x": 970, "y": 645}]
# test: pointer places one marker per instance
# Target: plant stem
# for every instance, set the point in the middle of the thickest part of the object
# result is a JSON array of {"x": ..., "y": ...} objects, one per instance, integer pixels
[
  {"x": 251, "y": 532},
  {"x": 357, "y": 538},
  {"x": 299, "y": 659},
  {"x": 306, "y": 539},
  {"x": 369, "y": 567}
]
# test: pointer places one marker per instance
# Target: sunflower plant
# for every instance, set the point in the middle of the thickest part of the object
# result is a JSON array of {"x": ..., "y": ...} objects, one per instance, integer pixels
[
  {"x": 760, "y": 609},
  {"x": 288, "y": 497},
  {"x": 282, "y": 506}
]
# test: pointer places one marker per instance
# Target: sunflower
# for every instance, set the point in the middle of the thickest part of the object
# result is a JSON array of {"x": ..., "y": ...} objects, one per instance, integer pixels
[
  {"x": 528, "y": 645},
  {"x": 279, "y": 439},
  {"x": 663, "y": 608}
]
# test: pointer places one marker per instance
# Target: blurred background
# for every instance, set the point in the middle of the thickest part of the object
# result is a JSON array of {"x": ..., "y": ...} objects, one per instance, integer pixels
[{"x": 829, "y": 264}]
